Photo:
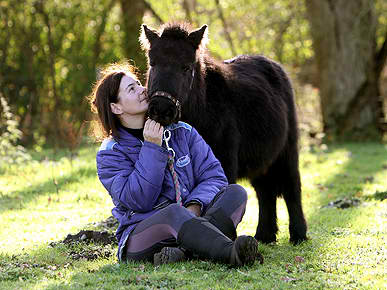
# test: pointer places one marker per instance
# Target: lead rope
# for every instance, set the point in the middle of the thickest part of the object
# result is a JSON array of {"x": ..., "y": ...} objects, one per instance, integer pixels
[{"x": 171, "y": 157}]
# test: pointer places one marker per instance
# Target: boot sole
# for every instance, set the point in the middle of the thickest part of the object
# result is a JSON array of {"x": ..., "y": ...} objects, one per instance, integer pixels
[
  {"x": 248, "y": 250},
  {"x": 168, "y": 255}
]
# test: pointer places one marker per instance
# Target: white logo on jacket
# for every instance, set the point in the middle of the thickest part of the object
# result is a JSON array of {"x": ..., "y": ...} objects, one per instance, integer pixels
[{"x": 183, "y": 161}]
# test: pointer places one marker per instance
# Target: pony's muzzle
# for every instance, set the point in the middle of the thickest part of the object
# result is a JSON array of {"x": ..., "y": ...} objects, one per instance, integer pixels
[{"x": 162, "y": 110}]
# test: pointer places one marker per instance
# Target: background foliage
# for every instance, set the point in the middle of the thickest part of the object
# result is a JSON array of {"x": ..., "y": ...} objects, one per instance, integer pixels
[
  {"x": 51, "y": 51},
  {"x": 50, "y": 54}
]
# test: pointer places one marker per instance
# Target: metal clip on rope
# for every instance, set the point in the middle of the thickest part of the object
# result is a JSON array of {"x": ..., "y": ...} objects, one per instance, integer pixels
[{"x": 167, "y": 137}]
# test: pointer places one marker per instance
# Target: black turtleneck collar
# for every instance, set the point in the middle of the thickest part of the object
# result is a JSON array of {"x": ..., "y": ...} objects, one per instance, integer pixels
[{"x": 138, "y": 133}]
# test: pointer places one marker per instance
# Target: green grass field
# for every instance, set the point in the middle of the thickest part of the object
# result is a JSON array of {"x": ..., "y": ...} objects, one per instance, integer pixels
[{"x": 43, "y": 201}]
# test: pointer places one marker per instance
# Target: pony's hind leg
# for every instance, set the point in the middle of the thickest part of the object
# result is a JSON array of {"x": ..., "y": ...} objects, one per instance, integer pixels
[{"x": 292, "y": 196}]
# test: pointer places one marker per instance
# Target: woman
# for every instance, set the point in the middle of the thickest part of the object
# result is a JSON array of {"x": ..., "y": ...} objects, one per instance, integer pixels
[{"x": 170, "y": 192}]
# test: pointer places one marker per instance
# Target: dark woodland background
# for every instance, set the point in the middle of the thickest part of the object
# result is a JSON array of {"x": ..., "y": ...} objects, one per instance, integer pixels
[{"x": 51, "y": 51}]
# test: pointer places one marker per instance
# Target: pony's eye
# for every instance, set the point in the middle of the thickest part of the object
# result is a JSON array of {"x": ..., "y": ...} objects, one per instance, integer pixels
[
  {"x": 186, "y": 68},
  {"x": 152, "y": 63}
]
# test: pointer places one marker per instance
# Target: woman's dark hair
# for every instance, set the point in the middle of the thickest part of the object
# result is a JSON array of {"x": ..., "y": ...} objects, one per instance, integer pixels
[{"x": 105, "y": 91}]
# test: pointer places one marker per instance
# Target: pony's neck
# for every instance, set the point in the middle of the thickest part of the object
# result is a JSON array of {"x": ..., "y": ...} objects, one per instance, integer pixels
[{"x": 196, "y": 103}]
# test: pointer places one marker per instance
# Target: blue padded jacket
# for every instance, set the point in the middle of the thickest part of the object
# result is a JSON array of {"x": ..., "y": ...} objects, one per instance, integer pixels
[{"x": 137, "y": 177}]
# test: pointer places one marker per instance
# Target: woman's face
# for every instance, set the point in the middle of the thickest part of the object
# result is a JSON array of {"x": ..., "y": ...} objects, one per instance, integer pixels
[{"x": 132, "y": 97}]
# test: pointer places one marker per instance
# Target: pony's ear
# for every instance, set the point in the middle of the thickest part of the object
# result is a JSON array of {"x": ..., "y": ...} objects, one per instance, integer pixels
[
  {"x": 147, "y": 37},
  {"x": 198, "y": 37}
]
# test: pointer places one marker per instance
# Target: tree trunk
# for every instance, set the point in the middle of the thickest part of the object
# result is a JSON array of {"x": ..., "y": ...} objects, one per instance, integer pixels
[
  {"x": 344, "y": 40},
  {"x": 132, "y": 14}
]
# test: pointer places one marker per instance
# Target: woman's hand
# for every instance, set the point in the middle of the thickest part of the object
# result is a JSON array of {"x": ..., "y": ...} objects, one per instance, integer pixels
[
  {"x": 153, "y": 132},
  {"x": 195, "y": 208}
]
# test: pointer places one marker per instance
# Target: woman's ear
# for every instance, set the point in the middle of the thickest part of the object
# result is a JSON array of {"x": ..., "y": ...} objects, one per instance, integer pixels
[{"x": 116, "y": 108}]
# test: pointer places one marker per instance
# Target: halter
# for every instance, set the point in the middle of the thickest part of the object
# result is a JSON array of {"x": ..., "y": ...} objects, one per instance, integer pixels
[
  {"x": 167, "y": 137},
  {"x": 174, "y": 100},
  {"x": 169, "y": 97}
]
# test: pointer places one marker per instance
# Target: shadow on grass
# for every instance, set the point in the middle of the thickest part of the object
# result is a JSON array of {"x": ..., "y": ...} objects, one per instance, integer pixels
[
  {"x": 361, "y": 165},
  {"x": 19, "y": 199},
  {"x": 364, "y": 162},
  {"x": 20, "y": 271},
  {"x": 188, "y": 275},
  {"x": 45, "y": 267},
  {"x": 117, "y": 276},
  {"x": 350, "y": 180}
]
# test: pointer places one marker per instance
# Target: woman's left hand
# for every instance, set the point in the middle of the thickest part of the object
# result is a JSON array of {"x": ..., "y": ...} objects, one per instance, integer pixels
[{"x": 153, "y": 132}]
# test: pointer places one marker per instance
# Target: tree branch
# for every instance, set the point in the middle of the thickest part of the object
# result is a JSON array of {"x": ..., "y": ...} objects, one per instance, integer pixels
[
  {"x": 225, "y": 27},
  {"x": 381, "y": 57},
  {"x": 50, "y": 45},
  {"x": 7, "y": 38},
  {"x": 283, "y": 26},
  {"x": 187, "y": 10},
  {"x": 357, "y": 103},
  {"x": 336, "y": 22},
  {"x": 149, "y": 7},
  {"x": 100, "y": 31},
  {"x": 41, "y": 9}
]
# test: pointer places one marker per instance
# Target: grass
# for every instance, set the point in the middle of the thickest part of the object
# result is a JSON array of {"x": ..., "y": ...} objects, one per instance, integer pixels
[{"x": 44, "y": 200}]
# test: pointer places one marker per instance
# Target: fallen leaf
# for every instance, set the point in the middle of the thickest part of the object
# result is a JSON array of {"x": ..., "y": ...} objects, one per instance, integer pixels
[
  {"x": 321, "y": 187},
  {"x": 288, "y": 268},
  {"x": 243, "y": 273},
  {"x": 67, "y": 265},
  {"x": 288, "y": 279}
]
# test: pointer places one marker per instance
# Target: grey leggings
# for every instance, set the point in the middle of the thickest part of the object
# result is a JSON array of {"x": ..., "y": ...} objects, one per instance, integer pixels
[{"x": 161, "y": 229}]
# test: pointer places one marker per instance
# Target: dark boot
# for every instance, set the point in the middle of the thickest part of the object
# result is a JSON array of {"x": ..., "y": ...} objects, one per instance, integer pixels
[
  {"x": 205, "y": 240},
  {"x": 219, "y": 219},
  {"x": 245, "y": 249},
  {"x": 169, "y": 255}
]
